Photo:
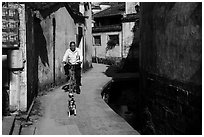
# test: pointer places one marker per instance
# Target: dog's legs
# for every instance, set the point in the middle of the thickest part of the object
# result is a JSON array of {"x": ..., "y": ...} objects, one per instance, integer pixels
[
  {"x": 75, "y": 112},
  {"x": 68, "y": 110},
  {"x": 68, "y": 113}
]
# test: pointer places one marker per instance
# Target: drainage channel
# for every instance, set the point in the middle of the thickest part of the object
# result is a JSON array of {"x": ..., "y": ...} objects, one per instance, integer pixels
[{"x": 123, "y": 97}]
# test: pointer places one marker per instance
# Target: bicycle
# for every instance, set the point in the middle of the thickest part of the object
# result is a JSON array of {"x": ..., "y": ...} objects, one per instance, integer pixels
[
  {"x": 72, "y": 90},
  {"x": 72, "y": 80}
]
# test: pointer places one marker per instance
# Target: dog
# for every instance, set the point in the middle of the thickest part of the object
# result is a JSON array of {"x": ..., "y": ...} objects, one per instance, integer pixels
[
  {"x": 71, "y": 105},
  {"x": 66, "y": 88},
  {"x": 71, "y": 95}
]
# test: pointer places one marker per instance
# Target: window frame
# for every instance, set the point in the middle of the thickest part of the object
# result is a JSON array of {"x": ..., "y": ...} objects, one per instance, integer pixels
[
  {"x": 95, "y": 40},
  {"x": 114, "y": 35}
]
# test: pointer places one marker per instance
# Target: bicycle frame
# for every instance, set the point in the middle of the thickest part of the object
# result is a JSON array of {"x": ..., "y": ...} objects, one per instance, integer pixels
[
  {"x": 72, "y": 80},
  {"x": 72, "y": 89}
]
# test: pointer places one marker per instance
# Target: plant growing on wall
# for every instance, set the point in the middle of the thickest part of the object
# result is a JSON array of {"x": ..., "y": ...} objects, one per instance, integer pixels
[{"x": 111, "y": 44}]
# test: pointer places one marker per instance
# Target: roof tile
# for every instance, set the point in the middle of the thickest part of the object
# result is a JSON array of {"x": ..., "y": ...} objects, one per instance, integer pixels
[{"x": 117, "y": 9}]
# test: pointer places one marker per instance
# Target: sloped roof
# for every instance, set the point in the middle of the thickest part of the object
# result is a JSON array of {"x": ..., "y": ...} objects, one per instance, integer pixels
[
  {"x": 117, "y": 9},
  {"x": 46, "y": 8}
]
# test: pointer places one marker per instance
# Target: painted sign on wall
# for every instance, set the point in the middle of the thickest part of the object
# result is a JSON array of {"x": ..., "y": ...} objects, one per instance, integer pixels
[{"x": 10, "y": 25}]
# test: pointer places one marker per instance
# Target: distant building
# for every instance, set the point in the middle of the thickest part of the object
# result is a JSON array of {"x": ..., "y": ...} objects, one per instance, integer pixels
[{"x": 113, "y": 29}]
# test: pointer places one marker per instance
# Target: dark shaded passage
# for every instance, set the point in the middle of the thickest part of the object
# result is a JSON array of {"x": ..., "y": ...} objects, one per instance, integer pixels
[{"x": 5, "y": 84}]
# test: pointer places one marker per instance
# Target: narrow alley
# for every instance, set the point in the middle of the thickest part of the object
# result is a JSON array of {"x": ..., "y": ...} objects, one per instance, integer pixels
[
  {"x": 94, "y": 116},
  {"x": 136, "y": 68}
]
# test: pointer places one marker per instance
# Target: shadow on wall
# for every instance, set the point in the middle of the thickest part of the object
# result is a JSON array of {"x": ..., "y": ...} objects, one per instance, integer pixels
[{"x": 40, "y": 42}]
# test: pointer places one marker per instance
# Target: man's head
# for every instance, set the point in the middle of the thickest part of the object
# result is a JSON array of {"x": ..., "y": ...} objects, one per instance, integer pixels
[{"x": 72, "y": 46}]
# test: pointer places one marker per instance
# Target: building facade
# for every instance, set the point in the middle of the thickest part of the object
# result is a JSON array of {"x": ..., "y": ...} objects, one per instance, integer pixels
[
  {"x": 113, "y": 30},
  {"x": 45, "y": 31}
]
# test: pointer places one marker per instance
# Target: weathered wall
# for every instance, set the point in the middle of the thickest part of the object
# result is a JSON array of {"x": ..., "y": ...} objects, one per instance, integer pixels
[
  {"x": 175, "y": 108},
  {"x": 18, "y": 78},
  {"x": 88, "y": 43},
  {"x": 65, "y": 33},
  {"x": 100, "y": 51},
  {"x": 45, "y": 59},
  {"x": 128, "y": 36},
  {"x": 172, "y": 61},
  {"x": 171, "y": 40},
  {"x": 131, "y": 46},
  {"x": 131, "y": 41},
  {"x": 130, "y": 7}
]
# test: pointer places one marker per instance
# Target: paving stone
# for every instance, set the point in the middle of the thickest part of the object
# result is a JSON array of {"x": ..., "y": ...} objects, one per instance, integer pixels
[{"x": 7, "y": 125}]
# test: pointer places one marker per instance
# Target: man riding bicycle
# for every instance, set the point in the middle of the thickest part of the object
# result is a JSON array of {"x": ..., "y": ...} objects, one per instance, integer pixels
[{"x": 71, "y": 57}]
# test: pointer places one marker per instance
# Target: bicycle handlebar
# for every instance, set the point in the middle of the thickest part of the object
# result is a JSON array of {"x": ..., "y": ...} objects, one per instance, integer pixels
[{"x": 65, "y": 63}]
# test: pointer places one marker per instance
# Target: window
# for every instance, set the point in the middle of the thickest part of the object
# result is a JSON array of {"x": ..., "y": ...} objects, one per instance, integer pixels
[
  {"x": 112, "y": 42},
  {"x": 114, "y": 39},
  {"x": 97, "y": 40}
]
